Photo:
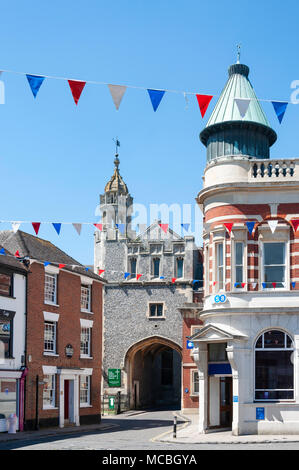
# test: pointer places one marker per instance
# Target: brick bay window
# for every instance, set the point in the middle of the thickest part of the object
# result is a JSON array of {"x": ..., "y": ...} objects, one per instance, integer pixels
[
  {"x": 85, "y": 338},
  {"x": 49, "y": 391},
  {"x": 274, "y": 265},
  {"x": 50, "y": 288},
  {"x": 84, "y": 390},
  {"x": 85, "y": 298},
  {"x": 274, "y": 367}
]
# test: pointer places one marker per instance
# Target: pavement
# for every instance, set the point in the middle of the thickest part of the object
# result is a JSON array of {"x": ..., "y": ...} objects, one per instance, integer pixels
[{"x": 187, "y": 433}]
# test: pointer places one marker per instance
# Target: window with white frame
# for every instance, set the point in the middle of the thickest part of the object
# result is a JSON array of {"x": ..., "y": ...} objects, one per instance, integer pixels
[
  {"x": 50, "y": 288},
  {"x": 155, "y": 310},
  {"x": 85, "y": 390},
  {"x": 49, "y": 391},
  {"x": 219, "y": 266},
  {"x": 85, "y": 341},
  {"x": 239, "y": 264},
  {"x": 194, "y": 382},
  {"x": 85, "y": 297},
  {"x": 274, "y": 264},
  {"x": 50, "y": 337},
  {"x": 274, "y": 367}
]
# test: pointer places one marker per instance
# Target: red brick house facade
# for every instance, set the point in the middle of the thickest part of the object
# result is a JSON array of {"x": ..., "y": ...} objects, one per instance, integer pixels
[{"x": 64, "y": 336}]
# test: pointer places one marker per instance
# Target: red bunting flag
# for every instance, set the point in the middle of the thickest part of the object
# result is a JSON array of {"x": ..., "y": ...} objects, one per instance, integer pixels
[
  {"x": 274, "y": 284},
  {"x": 36, "y": 226},
  {"x": 99, "y": 226},
  {"x": 214, "y": 283},
  {"x": 203, "y": 102},
  {"x": 61, "y": 265},
  {"x": 295, "y": 223},
  {"x": 101, "y": 271},
  {"x": 243, "y": 284},
  {"x": 76, "y": 89},
  {"x": 229, "y": 226},
  {"x": 164, "y": 227},
  {"x": 173, "y": 280},
  {"x": 17, "y": 254},
  {"x": 138, "y": 276}
]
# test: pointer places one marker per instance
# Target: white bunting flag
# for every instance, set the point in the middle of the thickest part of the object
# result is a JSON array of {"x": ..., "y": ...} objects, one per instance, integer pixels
[
  {"x": 254, "y": 285},
  {"x": 15, "y": 226},
  {"x": 272, "y": 224},
  {"x": 78, "y": 228},
  {"x": 117, "y": 93},
  {"x": 242, "y": 104}
]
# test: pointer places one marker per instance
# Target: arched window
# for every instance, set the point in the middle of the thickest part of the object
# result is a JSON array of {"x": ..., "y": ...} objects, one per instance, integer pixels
[{"x": 274, "y": 368}]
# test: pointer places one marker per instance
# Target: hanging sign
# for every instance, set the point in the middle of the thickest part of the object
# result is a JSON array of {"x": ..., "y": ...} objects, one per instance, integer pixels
[
  {"x": 190, "y": 345},
  {"x": 114, "y": 378}
]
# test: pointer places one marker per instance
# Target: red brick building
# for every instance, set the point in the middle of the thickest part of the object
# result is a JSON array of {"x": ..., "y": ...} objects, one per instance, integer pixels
[{"x": 64, "y": 335}]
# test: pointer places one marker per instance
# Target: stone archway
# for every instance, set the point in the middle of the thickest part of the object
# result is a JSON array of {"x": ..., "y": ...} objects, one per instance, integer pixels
[{"x": 153, "y": 368}]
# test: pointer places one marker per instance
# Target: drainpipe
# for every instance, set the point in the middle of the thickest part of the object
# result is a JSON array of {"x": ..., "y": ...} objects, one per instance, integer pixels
[{"x": 22, "y": 400}]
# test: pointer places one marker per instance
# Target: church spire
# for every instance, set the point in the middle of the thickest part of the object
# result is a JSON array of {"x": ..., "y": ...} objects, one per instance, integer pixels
[{"x": 116, "y": 184}]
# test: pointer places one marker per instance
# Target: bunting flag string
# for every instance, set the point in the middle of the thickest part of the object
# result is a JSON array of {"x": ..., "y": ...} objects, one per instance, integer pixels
[
  {"x": 117, "y": 92},
  {"x": 164, "y": 227},
  {"x": 185, "y": 226}
]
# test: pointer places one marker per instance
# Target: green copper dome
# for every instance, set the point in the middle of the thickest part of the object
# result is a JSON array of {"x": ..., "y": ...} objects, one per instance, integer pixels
[{"x": 249, "y": 136}]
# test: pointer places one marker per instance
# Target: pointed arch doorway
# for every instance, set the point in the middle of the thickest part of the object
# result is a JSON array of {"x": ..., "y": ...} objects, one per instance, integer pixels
[{"x": 153, "y": 368}]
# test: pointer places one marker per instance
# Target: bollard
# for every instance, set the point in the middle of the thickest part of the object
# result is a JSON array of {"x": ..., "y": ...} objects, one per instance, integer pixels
[{"x": 174, "y": 426}]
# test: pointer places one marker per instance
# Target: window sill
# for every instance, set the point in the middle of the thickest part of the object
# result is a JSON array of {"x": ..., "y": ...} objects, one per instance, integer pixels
[
  {"x": 49, "y": 354},
  {"x": 86, "y": 357},
  {"x": 194, "y": 395},
  {"x": 50, "y": 407},
  {"x": 50, "y": 303},
  {"x": 157, "y": 318},
  {"x": 85, "y": 405},
  {"x": 87, "y": 311},
  {"x": 8, "y": 296}
]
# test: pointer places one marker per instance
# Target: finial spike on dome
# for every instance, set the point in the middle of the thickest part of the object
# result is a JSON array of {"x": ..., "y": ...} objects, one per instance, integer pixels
[{"x": 238, "y": 53}]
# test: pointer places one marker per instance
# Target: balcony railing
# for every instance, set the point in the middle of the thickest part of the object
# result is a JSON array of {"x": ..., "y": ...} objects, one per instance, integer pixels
[{"x": 274, "y": 169}]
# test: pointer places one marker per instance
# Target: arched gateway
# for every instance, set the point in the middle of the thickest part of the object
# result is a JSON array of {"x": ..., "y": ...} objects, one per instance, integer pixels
[{"x": 153, "y": 370}]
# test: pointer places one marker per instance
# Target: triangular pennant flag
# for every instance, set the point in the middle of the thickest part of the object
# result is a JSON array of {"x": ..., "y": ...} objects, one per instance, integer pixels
[
  {"x": 138, "y": 276},
  {"x": 2, "y": 251},
  {"x": 117, "y": 93},
  {"x": 57, "y": 228},
  {"x": 121, "y": 228},
  {"x": 35, "y": 82},
  {"x": 203, "y": 102},
  {"x": 36, "y": 226},
  {"x": 164, "y": 227},
  {"x": 78, "y": 228},
  {"x": 127, "y": 275},
  {"x": 76, "y": 89},
  {"x": 236, "y": 284},
  {"x": 86, "y": 269},
  {"x": 101, "y": 271},
  {"x": 156, "y": 97},
  {"x": 15, "y": 226},
  {"x": 274, "y": 284},
  {"x": 228, "y": 226},
  {"x": 185, "y": 227},
  {"x": 61, "y": 265},
  {"x": 46, "y": 263},
  {"x": 243, "y": 284},
  {"x": 173, "y": 280},
  {"x": 99, "y": 226},
  {"x": 272, "y": 224},
  {"x": 295, "y": 223},
  {"x": 264, "y": 284},
  {"x": 254, "y": 284},
  {"x": 279, "y": 108},
  {"x": 17, "y": 254},
  {"x": 293, "y": 285},
  {"x": 250, "y": 226},
  {"x": 214, "y": 283},
  {"x": 162, "y": 277},
  {"x": 242, "y": 104}
]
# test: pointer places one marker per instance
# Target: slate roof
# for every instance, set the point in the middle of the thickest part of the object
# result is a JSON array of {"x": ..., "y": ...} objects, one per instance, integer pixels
[
  {"x": 10, "y": 261},
  {"x": 41, "y": 250}
]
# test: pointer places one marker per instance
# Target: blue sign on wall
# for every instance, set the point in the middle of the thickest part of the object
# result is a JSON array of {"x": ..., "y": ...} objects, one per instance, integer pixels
[
  {"x": 235, "y": 398},
  {"x": 190, "y": 345},
  {"x": 219, "y": 369},
  {"x": 260, "y": 413},
  {"x": 186, "y": 390}
]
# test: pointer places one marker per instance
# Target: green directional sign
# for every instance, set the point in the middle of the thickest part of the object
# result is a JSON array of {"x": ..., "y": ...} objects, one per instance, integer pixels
[{"x": 114, "y": 377}]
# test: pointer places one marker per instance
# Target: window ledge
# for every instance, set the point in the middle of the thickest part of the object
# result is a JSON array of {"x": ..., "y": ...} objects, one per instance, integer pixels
[
  {"x": 50, "y": 354},
  {"x": 50, "y": 407},
  {"x": 51, "y": 303},
  {"x": 86, "y": 357},
  {"x": 85, "y": 405},
  {"x": 194, "y": 395},
  {"x": 86, "y": 311},
  {"x": 157, "y": 318}
]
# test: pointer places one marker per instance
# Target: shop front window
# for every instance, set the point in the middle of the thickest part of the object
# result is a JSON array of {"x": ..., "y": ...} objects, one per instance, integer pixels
[{"x": 8, "y": 397}]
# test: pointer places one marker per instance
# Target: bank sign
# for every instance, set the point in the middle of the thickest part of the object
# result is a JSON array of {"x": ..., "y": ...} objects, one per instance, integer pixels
[
  {"x": 114, "y": 378},
  {"x": 219, "y": 298}
]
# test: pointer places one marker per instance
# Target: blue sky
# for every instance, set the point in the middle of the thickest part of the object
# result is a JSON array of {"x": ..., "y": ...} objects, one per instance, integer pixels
[{"x": 56, "y": 158}]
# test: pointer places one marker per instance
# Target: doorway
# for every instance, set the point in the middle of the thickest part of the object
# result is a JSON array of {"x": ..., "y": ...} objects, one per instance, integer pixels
[
  {"x": 69, "y": 411},
  {"x": 226, "y": 402}
]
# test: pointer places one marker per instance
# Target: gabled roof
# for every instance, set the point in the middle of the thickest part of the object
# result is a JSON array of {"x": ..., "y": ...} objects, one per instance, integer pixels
[
  {"x": 212, "y": 333},
  {"x": 41, "y": 250},
  {"x": 155, "y": 233}
]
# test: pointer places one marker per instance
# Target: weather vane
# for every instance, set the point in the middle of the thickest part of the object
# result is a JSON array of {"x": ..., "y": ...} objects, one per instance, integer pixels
[
  {"x": 238, "y": 53},
  {"x": 117, "y": 144}
]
